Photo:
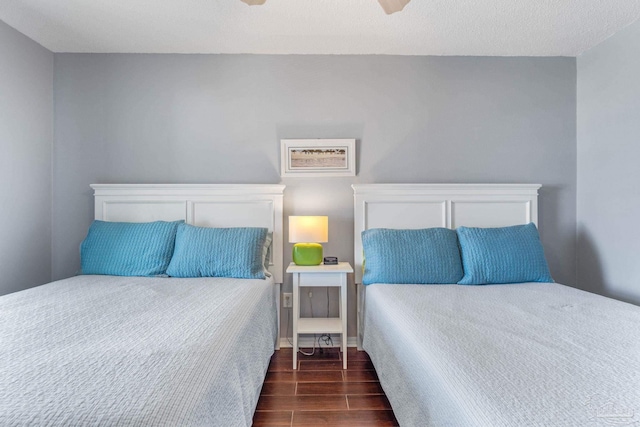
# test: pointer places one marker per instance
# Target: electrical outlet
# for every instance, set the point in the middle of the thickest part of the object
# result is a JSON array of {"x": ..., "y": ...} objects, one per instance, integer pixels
[{"x": 287, "y": 300}]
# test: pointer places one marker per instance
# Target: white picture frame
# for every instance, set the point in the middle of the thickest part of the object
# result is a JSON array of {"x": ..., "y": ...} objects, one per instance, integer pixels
[{"x": 317, "y": 157}]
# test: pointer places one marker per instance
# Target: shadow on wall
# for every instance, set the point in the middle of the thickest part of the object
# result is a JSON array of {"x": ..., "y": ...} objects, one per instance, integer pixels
[
  {"x": 590, "y": 274},
  {"x": 558, "y": 239}
]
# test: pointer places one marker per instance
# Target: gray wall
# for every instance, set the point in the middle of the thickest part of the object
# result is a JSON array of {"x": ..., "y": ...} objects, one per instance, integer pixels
[
  {"x": 219, "y": 118},
  {"x": 608, "y": 120},
  {"x": 26, "y": 136}
]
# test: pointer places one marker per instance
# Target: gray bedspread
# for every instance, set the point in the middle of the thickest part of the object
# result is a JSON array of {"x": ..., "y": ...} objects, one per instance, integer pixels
[
  {"x": 534, "y": 354},
  {"x": 130, "y": 351}
]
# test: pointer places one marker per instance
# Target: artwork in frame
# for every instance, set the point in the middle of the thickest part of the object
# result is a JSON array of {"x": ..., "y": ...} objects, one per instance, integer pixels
[{"x": 318, "y": 157}]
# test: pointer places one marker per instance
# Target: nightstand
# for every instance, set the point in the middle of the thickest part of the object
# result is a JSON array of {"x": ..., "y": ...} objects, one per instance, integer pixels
[{"x": 320, "y": 276}]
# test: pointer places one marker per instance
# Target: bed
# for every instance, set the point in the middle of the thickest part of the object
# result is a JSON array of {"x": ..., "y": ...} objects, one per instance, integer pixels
[
  {"x": 510, "y": 354},
  {"x": 138, "y": 351}
]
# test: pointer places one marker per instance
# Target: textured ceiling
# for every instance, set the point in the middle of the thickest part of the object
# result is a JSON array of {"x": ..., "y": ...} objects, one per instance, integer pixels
[{"x": 424, "y": 27}]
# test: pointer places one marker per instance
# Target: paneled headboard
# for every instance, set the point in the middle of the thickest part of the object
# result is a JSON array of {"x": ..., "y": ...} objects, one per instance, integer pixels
[
  {"x": 205, "y": 205},
  {"x": 440, "y": 205},
  {"x": 436, "y": 205}
]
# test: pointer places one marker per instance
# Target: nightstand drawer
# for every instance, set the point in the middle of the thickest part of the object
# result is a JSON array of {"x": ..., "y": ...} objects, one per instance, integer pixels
[{"x": 320, "y": 279}]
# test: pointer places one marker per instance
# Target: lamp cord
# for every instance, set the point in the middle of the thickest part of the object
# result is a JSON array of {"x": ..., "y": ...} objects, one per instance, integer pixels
[
  {"x": 315, "y": 338},
  {"x": 326, "y": 338}
]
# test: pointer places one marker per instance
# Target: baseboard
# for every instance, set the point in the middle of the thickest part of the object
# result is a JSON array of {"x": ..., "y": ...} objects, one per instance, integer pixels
[{"x": 308, "y": 342}]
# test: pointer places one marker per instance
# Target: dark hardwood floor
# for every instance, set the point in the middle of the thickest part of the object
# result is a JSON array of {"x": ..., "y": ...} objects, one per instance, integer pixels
[{"x": 320, "y": 392}]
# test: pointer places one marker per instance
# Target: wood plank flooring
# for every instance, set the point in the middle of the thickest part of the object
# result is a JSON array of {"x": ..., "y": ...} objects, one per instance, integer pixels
[{"x": 320, "y": 392}]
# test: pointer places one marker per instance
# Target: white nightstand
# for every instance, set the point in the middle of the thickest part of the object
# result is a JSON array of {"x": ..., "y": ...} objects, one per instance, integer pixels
[{"x": 320, "y": 276}]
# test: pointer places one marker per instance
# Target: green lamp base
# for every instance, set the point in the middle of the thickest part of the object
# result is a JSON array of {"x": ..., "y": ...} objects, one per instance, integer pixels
[{"x": 307, "y": 254}]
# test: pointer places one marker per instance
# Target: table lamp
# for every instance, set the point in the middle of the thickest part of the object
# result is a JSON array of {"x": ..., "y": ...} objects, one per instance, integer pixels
[{"x": 307, "y": 232}]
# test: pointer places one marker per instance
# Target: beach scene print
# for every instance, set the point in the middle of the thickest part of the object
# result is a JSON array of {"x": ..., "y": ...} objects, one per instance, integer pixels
[{"x": 318, "y": 158}]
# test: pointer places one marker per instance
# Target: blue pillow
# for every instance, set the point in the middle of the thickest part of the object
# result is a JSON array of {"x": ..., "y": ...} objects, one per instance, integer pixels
[
  {"x": 502, "y": 255},
  {"x": 219, "y": 252},
  {"x": 423, "y": 256},
  {"x": 127, "y": 248}
]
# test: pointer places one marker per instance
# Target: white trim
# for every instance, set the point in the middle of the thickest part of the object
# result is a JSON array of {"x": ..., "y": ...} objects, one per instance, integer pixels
[
  {"x": 184, "y": 190},
  {"x": 447, "y": 189}
]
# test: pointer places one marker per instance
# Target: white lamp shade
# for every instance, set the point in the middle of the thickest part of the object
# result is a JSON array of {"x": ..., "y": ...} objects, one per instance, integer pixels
[{"x": 308, "y": 229}]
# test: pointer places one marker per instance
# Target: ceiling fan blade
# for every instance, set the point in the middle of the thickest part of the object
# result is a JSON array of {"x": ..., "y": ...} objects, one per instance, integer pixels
[{"x": 391, "y": 6}]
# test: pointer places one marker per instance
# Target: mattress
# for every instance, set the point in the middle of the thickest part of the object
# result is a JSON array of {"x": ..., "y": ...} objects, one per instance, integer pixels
[
  {"x": 133, "y": 351},
  {"x": 533, "y": 354}
]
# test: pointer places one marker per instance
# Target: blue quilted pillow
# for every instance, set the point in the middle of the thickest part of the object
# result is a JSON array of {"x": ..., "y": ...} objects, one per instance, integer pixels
[
  {"x": 127, "y": 248},
  {"x": 423, "y": 256},
  {"x": 502, "y": 255},
  {"x": 219, "y": 252}
]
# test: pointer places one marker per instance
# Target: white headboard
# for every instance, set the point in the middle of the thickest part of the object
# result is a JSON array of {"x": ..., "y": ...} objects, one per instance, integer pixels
[
  {"x": 206, "y": 205},
  {"x": 440, "y": 205}
]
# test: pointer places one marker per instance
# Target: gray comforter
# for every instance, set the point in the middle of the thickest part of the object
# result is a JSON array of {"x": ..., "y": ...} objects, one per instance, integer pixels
[
  {"x": 531, "y": 354},
  {"x": 124, "y": 351}
]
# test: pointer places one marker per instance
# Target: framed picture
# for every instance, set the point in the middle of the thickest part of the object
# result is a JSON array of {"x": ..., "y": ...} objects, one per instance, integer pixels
[{"x": 317, "y": 157}]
